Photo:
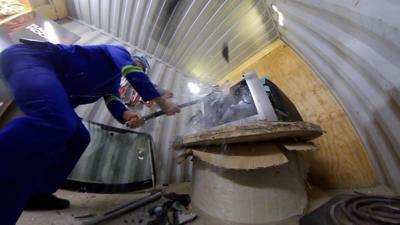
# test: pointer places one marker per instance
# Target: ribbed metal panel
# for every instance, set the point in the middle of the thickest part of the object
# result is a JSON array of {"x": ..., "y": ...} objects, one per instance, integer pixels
[
  {"x": 354, "y": 46},
  {"x": 188, "y": 34},
  {"x": 163, "y": 130}
]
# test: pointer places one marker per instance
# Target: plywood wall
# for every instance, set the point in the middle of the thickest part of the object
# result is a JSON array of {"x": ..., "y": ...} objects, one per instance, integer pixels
[{"x": 342, "y": 161}]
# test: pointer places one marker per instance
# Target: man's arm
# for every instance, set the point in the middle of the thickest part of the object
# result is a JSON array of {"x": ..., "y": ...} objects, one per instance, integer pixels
[
  {"x": 140, "y": 82},
  {"x": 146, "y": 89},
  {"x": 138, "y": 78},
  {"x": 121, "y": 113}
]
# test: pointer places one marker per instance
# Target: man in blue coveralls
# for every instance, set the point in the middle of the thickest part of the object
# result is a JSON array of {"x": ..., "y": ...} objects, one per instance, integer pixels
[{"x": 39, "y": 150}]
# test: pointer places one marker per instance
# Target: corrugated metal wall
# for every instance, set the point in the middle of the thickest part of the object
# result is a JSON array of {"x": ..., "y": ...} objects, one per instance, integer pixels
[
  {"x": 163, "y": 130},
  {"x": 188, "y": 34},
  {"x": 354, "y": 46},
  {"x": 185, "y": 39}
]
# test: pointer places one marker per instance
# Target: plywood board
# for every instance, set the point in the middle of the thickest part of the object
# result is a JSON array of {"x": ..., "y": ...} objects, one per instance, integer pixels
[
  {"x": 342, "y": 161},
  {"x": 242, "y": 156},
  {"x": 251, "y": 132}
]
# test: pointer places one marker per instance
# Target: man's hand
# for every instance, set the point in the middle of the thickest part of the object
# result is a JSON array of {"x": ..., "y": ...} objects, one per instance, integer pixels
[
  {"x": 167, "y": 93},
  {"x": 167, "y": 106},
  {"x": 170, "y": 108},
  {"x": 133, "y": 120}
]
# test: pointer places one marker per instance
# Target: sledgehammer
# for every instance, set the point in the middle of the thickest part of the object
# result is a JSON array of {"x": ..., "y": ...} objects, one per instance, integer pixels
[{"x": 160, "y": 113}]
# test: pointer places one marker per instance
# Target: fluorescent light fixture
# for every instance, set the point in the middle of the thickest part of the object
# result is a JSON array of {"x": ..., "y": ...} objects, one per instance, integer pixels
[
  {"x": 193, "y": 88},
  {"x": 280, "y": 19},
  {"x": 280, "y": 15}
]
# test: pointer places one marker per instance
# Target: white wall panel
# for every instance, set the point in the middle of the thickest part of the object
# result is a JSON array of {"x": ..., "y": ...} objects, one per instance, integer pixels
[{"x": 354, "y": 46}]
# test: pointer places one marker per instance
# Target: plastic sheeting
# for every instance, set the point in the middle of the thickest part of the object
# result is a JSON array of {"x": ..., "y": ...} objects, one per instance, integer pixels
[{"x": 354, "y": 46}]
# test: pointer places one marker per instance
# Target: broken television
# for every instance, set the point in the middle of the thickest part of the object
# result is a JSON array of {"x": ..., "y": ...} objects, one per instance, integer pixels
[{"x": 239, "y": 105}]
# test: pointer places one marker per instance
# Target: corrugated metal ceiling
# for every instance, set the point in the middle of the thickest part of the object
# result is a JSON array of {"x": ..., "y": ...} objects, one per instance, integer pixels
[{"x": 186, "y": 34}]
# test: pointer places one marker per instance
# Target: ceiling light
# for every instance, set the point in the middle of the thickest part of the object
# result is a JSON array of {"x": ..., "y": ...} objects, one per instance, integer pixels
[
  {"x": 193, "y": 88},
  {"x": 280, "y": 15}
]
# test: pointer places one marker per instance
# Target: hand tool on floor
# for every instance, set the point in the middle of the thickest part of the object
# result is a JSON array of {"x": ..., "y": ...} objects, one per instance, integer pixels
[
  {"x": 160, "y": 113},
  {"x": 124, "y": 208},
  {"x": 172, "y": 212}
]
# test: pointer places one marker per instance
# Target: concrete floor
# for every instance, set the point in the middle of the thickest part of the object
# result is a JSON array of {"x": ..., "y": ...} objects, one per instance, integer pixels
[{"x": 86, "y": 203}]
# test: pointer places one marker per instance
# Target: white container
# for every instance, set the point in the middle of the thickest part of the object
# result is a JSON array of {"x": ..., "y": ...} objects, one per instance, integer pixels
[{"x": 263, "y": 196}]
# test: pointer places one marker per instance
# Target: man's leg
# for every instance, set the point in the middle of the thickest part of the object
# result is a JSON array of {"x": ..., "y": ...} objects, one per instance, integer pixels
[
  {"x": 65, "y": 161},
  {"x": 29, "y": 144}
]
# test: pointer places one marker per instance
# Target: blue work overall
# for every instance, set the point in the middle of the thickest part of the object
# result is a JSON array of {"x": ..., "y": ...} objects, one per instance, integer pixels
[{"x": 39, "y": 150}]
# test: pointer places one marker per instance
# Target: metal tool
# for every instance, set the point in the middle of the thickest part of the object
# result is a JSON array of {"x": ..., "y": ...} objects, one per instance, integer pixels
[
  {"x": 124, "y": 208},
  {"x": 172, "y": 212},
  {"x": 160, "y": 113}
]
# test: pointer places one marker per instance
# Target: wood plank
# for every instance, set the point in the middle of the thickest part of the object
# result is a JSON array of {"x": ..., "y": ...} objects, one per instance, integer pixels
[
  {"x": 299, "y": 146},
  {"x": 242, "y": 156},
  {"x": 251, "y": 132},
  {"x": 342, "y": 161}
]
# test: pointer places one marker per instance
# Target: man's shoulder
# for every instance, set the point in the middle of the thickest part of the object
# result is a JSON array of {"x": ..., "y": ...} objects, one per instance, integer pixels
[
  {"x": 119, "y": 55},
  {"x": 115, "y": 48},
  {"x": 100, "y": 46}
]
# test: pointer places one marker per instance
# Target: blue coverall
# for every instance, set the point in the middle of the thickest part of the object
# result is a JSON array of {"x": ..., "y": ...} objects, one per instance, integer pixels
[{"x": 39, "y": 150}]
